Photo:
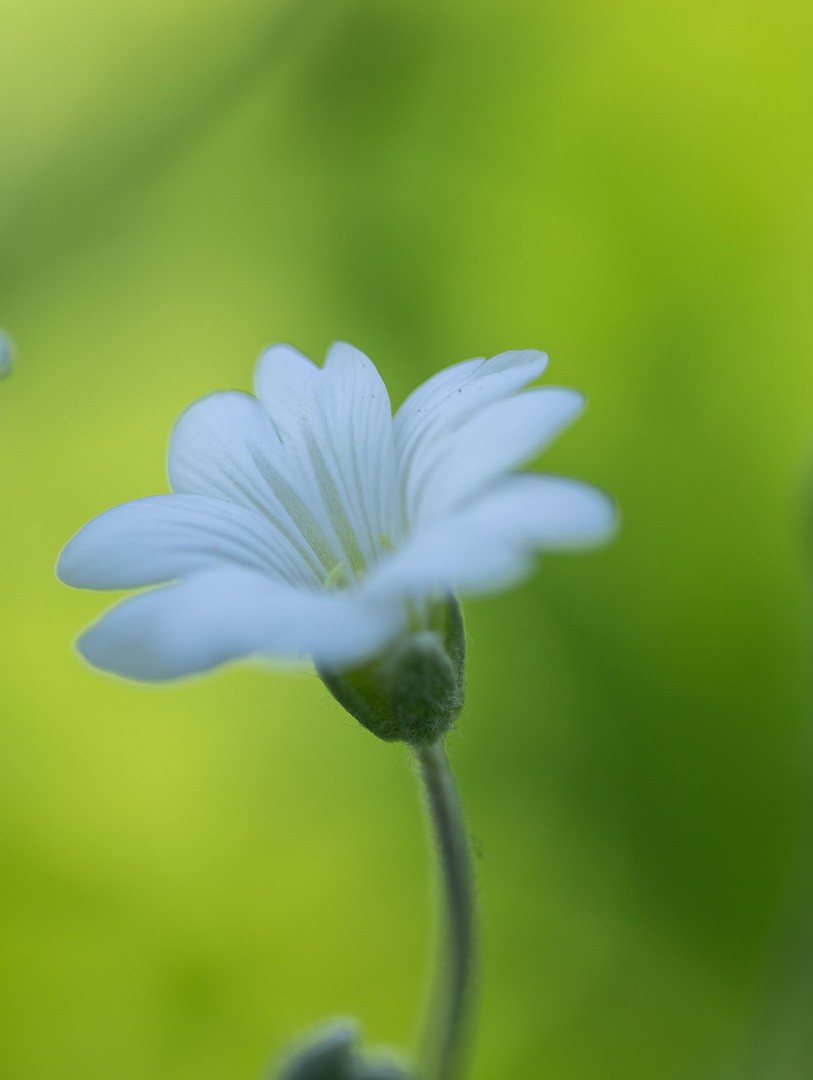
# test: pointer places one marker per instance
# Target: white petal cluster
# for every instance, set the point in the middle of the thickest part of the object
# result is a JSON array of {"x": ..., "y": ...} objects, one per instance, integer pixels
[{"x": 308, "y": 521}]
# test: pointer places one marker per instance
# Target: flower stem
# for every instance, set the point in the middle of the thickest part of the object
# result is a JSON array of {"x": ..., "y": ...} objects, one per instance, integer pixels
[{"x": 446, "y": 1025}]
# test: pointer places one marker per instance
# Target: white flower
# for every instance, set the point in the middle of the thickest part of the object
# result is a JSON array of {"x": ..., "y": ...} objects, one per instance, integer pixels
[
  {"x": 6, "y": 355},
  {"x": 307, "y": 521}
]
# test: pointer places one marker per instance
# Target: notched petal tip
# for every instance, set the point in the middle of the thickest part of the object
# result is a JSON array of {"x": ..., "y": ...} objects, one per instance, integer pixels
[
  {"x": 343, "y": 352},
  {"x": 218, "y": 399},
  {"x": 283, "y": 349},
  {"x": 280, "y": 359}
]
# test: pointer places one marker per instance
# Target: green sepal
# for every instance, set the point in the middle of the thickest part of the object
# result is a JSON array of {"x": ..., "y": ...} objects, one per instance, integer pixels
[
  {"x": 413, "y": 692},
  {"x": 326, "y": 1055},
  {"x": 330, "y": 1052}
]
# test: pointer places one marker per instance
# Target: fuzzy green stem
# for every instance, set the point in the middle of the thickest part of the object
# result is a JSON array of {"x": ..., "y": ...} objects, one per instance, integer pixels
[{"x": 446, "y": 1029}]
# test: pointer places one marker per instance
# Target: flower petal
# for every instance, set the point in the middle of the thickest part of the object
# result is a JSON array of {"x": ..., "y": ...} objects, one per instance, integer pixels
[
  {"x": 336, "y": 422},
  {"x": 446, "y": 401},
  {"x": 227, "y": 447},
  {"x": 230, "y": 613},
  {"x": 488, "y": 544},
  {"x": 163, "y": 537},
  {"x": 286, "y": 382},
  {"x": 499, "y": 437}
]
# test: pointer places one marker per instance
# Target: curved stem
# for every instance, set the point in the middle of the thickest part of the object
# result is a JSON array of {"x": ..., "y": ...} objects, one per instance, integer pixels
[{"x": 447, "y": 1019}]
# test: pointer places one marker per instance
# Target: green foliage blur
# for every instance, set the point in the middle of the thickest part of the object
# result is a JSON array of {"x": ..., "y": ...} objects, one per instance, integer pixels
[{"x": 190, "y": 876}]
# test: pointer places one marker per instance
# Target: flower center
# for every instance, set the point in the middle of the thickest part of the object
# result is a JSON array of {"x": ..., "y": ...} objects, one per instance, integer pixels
[
  {"x": 342, "y": 576},
  {"x": 337, "y": 578}
]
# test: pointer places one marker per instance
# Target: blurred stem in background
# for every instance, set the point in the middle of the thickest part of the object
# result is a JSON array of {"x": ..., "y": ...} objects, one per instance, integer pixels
[
  {"x": 445, "y": 1035},
  {"x": 778, "y": 1044}
]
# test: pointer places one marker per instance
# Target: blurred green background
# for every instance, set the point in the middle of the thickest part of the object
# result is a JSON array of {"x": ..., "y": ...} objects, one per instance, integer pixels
[{"x": 189, "y": 876}]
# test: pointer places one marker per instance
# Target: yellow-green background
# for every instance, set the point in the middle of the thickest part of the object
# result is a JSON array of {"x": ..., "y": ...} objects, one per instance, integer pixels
[{"x": 189, "y": 876}]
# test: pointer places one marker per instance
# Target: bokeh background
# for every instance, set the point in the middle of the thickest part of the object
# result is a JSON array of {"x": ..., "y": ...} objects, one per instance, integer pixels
[{"x": 189, "y": 876}]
